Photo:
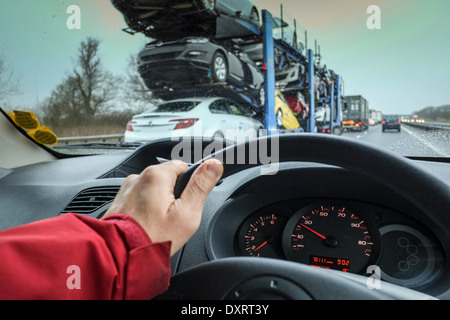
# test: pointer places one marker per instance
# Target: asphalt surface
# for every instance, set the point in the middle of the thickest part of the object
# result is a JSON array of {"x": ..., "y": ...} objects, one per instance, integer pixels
[{"x": 410, "y": 141}]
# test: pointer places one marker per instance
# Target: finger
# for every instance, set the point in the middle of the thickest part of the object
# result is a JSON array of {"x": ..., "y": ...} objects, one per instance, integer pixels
[
  {"x": 170, "y": 169},
  {"x": 177, "y": 166},
  {"x": 157, "y": 183},
  {"x": 200, "y": 184},
  {"x": 163, "y": 176}
]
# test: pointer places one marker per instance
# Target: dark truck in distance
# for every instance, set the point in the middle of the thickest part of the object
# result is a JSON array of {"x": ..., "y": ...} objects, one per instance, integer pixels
[{"x": 355, "y": 113}]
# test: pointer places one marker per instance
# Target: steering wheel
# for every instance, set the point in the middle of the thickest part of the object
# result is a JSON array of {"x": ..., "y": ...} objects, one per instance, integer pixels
[{"x": 243, "y": 278}]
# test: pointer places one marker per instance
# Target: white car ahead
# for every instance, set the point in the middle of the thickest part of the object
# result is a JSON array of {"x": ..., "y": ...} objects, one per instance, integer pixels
[{"x": 199, "y": 117}]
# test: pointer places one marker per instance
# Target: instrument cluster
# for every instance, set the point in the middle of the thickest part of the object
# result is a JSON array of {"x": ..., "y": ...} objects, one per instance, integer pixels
[{"x": 344, "y": 235}]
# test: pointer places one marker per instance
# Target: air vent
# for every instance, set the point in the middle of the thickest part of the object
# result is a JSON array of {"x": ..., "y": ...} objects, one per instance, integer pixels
[{"x": 91, "y": 199}]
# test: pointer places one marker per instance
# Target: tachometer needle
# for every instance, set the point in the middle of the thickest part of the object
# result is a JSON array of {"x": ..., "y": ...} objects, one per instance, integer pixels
[
  {"x": 262, "y": 245},
  {"x": 313, "y": 231}
]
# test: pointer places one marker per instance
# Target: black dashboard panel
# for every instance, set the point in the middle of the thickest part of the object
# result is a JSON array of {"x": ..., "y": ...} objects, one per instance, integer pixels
[
  {"x": 260, "y": 220},
  {"x": 408, "y": 245},
  {"x": 358, "y": 235}
]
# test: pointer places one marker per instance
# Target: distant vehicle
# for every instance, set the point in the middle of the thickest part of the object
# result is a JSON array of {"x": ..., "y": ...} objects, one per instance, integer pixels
[
  {"x": 356, "y": 113},
  {"x": 379, "y": 116},
  {"x": 207, "y": 117},
  {"x": 192, "y": 60},
  {"x": 390, "y": 122},
  {"x": 415, "y": 118},
  {"x": 171, "y": 19},
  {"x": 283, "y": 113},
  {"x": 372, "y": 117}
]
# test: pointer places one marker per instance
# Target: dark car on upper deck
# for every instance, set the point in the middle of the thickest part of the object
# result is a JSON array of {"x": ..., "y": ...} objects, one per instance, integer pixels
[{"x": 196, "y": 60}]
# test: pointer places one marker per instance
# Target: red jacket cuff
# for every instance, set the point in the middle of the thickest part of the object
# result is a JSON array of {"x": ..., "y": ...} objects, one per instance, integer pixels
[{"x": 148, "y": 272}]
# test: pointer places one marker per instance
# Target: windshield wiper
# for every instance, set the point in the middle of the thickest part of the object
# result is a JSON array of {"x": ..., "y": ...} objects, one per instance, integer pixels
[{"x": 101, "y": 145}]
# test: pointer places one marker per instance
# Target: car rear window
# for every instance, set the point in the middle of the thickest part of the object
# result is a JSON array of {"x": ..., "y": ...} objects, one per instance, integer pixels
[
  {"x": 391, "y": 118},
  {"x": 178, "y": 106}
]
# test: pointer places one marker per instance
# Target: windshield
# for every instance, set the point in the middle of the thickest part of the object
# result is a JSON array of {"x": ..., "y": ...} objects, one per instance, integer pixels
[{"x": 381, "y": 69}]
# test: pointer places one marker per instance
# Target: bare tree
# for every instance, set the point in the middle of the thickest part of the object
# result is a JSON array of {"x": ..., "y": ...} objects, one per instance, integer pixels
[
  {"x": 85, "y": 92},
  {"x": 94, "y": 84},
  {"x": 63, "y": 103}
]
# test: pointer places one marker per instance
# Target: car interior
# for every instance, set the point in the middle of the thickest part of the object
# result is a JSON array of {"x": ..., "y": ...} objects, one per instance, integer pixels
[
  {"x": 316, "y": 214},
  {"x": 383, "y": 206}
]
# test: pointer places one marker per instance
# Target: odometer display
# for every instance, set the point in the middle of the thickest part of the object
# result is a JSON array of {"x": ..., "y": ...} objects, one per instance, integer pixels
[
  {"x": 330, "y": 263},
  {"x": 328, "y": 236}
]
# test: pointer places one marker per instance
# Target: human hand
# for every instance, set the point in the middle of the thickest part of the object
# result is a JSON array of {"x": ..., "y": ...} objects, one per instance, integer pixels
[{"x": 148, "y": 198}]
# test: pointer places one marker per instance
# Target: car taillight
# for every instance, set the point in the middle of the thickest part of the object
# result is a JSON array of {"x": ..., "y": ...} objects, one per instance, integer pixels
[
  {"x": 383, "y": 122},
  {"x": 398, "y": 121},
  {"x": 184, "y": 123},
  {"x": 129, "y": 125}
]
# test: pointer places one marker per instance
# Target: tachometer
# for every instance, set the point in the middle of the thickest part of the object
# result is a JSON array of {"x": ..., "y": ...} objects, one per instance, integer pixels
[
  {"x": 329, "y": 236},
  {"x": 260, "y": 236}
]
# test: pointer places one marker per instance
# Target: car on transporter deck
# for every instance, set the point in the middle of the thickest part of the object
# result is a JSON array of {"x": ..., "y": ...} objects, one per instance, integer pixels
[
  {"x": 195, "y": 61},
  {"x": 169, "y": 19}
]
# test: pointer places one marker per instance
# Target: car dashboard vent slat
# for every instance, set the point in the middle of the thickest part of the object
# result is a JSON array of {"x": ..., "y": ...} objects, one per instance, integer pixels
[{"x": 92, "y": 199}]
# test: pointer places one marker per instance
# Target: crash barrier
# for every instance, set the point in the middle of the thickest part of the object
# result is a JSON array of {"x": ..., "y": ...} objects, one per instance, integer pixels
[
  {"x": 120, "y": 137},
  {"x": 429, "y": 125}
]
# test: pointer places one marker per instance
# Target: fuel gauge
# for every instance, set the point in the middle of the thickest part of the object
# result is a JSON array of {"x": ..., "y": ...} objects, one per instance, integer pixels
[{"x": 260, "y": 236}]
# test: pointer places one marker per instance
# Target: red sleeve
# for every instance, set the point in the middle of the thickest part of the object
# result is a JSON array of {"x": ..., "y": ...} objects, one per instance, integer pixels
[{"x": 77, "y": 257}]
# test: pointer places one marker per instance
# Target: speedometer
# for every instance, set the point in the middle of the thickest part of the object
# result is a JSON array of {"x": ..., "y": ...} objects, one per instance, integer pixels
[{"x": 329, "y": 236}]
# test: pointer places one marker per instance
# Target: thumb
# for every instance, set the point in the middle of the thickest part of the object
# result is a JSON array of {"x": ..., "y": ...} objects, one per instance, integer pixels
[{"x": 201, "y": 184}]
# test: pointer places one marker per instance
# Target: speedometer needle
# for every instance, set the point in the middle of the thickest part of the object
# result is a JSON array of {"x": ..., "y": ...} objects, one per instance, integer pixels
[
  {"x": 313, "y": 231},
  {"x": 262, "y": 245}
]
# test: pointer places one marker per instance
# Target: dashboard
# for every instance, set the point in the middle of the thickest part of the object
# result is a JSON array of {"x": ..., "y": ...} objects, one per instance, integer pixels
[
  {"x": 312, "y": 214},
  {"x": 327, "y": 217},
  {"x": 345, "y": 235}
]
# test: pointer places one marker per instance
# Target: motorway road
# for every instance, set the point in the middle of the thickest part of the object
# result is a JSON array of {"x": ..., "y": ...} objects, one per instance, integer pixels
[{"x": 410, "y": 141}]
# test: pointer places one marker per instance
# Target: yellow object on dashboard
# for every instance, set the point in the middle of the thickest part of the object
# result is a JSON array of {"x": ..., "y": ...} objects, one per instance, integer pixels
[
  {"x": 44, "y": 135},
  {"x": 27, "y": 120}
]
